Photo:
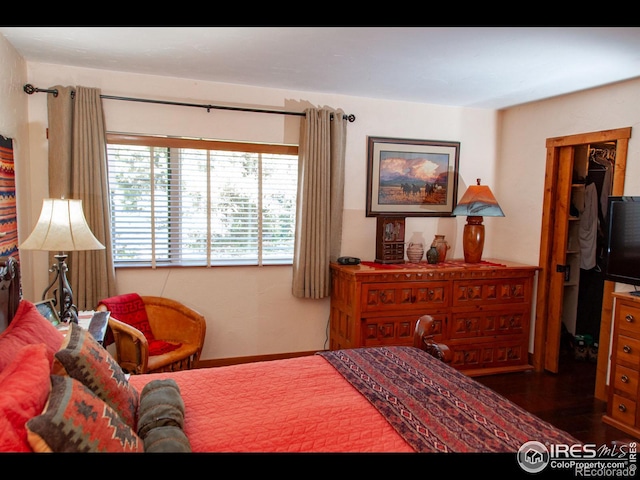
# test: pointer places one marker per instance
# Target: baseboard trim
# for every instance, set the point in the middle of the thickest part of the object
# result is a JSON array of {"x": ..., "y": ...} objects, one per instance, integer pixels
[{"x": 221, "y": 362}]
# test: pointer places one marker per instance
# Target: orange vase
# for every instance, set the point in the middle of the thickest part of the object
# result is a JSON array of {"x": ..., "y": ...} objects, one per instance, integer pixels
[{"x": 442, "y": 246}]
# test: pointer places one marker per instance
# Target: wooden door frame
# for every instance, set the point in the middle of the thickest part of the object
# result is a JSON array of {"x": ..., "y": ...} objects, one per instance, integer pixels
[{"x": 547, "y": 329}]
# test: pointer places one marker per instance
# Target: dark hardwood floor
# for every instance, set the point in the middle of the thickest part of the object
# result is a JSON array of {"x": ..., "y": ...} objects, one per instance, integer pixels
[{"x": 564, "y": 399}]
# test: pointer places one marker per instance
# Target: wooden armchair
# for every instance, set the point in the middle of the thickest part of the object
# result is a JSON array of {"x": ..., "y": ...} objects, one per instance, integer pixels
[
  {"x": 171, "y": 322},
  {"x": 423, "y": 339}
]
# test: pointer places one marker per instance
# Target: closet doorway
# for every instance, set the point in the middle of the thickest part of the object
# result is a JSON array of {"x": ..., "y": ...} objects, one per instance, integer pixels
[{"x": 566, "y": 177}]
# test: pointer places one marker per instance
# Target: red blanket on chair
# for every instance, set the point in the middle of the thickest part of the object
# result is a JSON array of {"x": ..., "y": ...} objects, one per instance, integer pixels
[{"x": 129, "y": 309}]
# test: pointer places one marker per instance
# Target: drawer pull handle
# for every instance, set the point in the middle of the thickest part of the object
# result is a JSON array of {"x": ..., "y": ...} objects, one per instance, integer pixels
[
  {"x": 624, "y": 379},
  {"x": 629, "y": 318},
  {"x": 622, "y": 407},
  {"x": 626, "y": 349}
]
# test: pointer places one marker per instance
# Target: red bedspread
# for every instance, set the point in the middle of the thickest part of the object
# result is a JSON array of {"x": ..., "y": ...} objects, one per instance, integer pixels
[
  {"x": 294, "y": 405},
  {"x": 400, "y": 399}
]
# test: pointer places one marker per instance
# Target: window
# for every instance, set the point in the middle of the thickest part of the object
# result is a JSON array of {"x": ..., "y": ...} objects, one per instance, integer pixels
[{"x": 200, "y": 202}]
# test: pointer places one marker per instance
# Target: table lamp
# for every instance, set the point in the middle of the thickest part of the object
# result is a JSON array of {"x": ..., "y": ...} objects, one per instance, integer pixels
[
  {"x": 62, "y": 227},
  {"x": 477, "y": 202}
]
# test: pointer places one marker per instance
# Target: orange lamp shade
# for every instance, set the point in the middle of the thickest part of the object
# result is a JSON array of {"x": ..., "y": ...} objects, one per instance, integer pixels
[{"x": 477, "y": 202}]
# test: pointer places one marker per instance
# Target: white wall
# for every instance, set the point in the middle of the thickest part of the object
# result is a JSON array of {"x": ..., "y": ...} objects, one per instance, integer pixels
[
  {"x": 250, "y": 310},
  {"x": 13, "y": 73}
]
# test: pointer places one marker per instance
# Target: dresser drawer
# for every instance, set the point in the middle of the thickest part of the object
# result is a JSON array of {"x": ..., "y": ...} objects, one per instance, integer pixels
[
  {"x": 628, "y": 317},
  {"x": 484, "y": 323},
  {"x": 628, "y": 351},
  {"x": 623, "y": 410},
  {"x": 388, "y": 331},
  {"x": 487, "y": 355},
  {"x": 626, "y": 380},
  {"x": 488, "y": 292},
  {"x": 425, "y": 296}
]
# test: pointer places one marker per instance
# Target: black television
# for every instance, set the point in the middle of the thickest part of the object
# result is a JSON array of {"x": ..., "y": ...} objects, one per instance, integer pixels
[{"x": 622, "y": 252}]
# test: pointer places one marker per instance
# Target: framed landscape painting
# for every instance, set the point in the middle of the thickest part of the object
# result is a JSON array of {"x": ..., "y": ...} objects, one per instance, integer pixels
[{"x": 411, "y": 177}]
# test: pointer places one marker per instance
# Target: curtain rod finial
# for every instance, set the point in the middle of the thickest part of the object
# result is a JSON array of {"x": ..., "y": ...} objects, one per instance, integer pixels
[{"x": 29, "y": 89}]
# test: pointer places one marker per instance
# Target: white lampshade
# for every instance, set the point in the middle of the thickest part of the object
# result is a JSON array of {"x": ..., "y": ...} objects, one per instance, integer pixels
[{"x": 62, "y": 227}]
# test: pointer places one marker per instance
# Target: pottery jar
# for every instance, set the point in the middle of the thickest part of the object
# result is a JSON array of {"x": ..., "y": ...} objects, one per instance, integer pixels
[
  {"x": 432, "y": 255},
  {"x": 442, "y": 246},
  {"x": 415, "y": 252}
]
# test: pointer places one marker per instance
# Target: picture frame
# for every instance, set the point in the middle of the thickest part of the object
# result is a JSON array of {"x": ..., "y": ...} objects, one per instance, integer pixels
[
  {"x": 48, "y": 310},
  {"x": 411, "y": 178}
]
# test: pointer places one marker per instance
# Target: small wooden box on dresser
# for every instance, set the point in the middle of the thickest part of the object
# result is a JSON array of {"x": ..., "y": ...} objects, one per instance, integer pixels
[
  {"x": 482, "y": 311},
  {"x": 623, "y": 409}
]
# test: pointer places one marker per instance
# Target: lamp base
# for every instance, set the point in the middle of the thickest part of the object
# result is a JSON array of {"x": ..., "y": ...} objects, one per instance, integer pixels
[
  {"x": 63, "y": 296},
  {"x": 473, "y": 239}
]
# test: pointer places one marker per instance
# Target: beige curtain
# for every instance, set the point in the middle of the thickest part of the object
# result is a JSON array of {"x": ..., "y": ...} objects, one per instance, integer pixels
[
  {"x": 84, "y": 170},
  {"x": 318, "y": 234},
  {"x": 60, "y": 111}
]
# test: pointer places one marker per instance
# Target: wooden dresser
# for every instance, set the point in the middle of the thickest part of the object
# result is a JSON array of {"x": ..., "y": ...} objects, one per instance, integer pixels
[
  {"x": 482, "y": 311},
  {"x": 623, "y": 409}
]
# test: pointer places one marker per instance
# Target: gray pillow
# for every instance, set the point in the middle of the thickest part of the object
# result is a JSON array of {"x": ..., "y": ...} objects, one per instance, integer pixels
[{"x": 161, "y": 405}]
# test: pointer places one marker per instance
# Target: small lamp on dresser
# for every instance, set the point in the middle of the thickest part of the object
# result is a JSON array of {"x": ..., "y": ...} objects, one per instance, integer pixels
[{"x": 477, "y": 202}]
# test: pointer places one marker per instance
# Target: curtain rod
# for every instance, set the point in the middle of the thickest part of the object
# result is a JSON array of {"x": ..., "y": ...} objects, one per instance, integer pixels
[{"x": 30, "y": 89}]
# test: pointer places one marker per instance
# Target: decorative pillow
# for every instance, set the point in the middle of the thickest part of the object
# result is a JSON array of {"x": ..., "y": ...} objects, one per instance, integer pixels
[
  {"x": 76, "y": 420},
  {"x": 84, "y": 359},
  {"x": 24, "y": 389},
  {"x": 28, "y": 327},
  {"x": 161, "y": 405}
]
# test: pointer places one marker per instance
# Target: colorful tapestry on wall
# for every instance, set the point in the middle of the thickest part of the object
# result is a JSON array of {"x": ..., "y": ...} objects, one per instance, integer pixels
[{"x": 8, "y": 215}]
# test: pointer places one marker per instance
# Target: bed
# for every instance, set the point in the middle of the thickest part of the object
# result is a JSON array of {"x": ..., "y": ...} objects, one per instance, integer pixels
[{"x": 379, "y": 399}]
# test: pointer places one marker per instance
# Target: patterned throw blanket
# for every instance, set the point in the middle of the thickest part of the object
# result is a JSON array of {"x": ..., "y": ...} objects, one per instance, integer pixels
[
  {"x": 436, "y": 408},
  {"x": 129, "y": 309}
]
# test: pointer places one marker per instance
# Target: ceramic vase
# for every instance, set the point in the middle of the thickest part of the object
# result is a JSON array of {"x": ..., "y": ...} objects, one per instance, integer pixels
[
  {"x": 442, "y": 246},
  {"x": 432, "y": 255},
  {"x": 415, "y": 252}
]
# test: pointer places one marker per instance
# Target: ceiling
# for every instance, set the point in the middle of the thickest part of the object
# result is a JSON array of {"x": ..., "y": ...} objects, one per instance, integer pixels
[{"x": 483, "y": 67}]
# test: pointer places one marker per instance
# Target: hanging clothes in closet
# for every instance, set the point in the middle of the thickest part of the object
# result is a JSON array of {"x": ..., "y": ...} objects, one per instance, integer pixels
[
  {"x": 600, "y": 173},
  {"x": 589, "y": 228},
  {"x": 592, "y": 241}
]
